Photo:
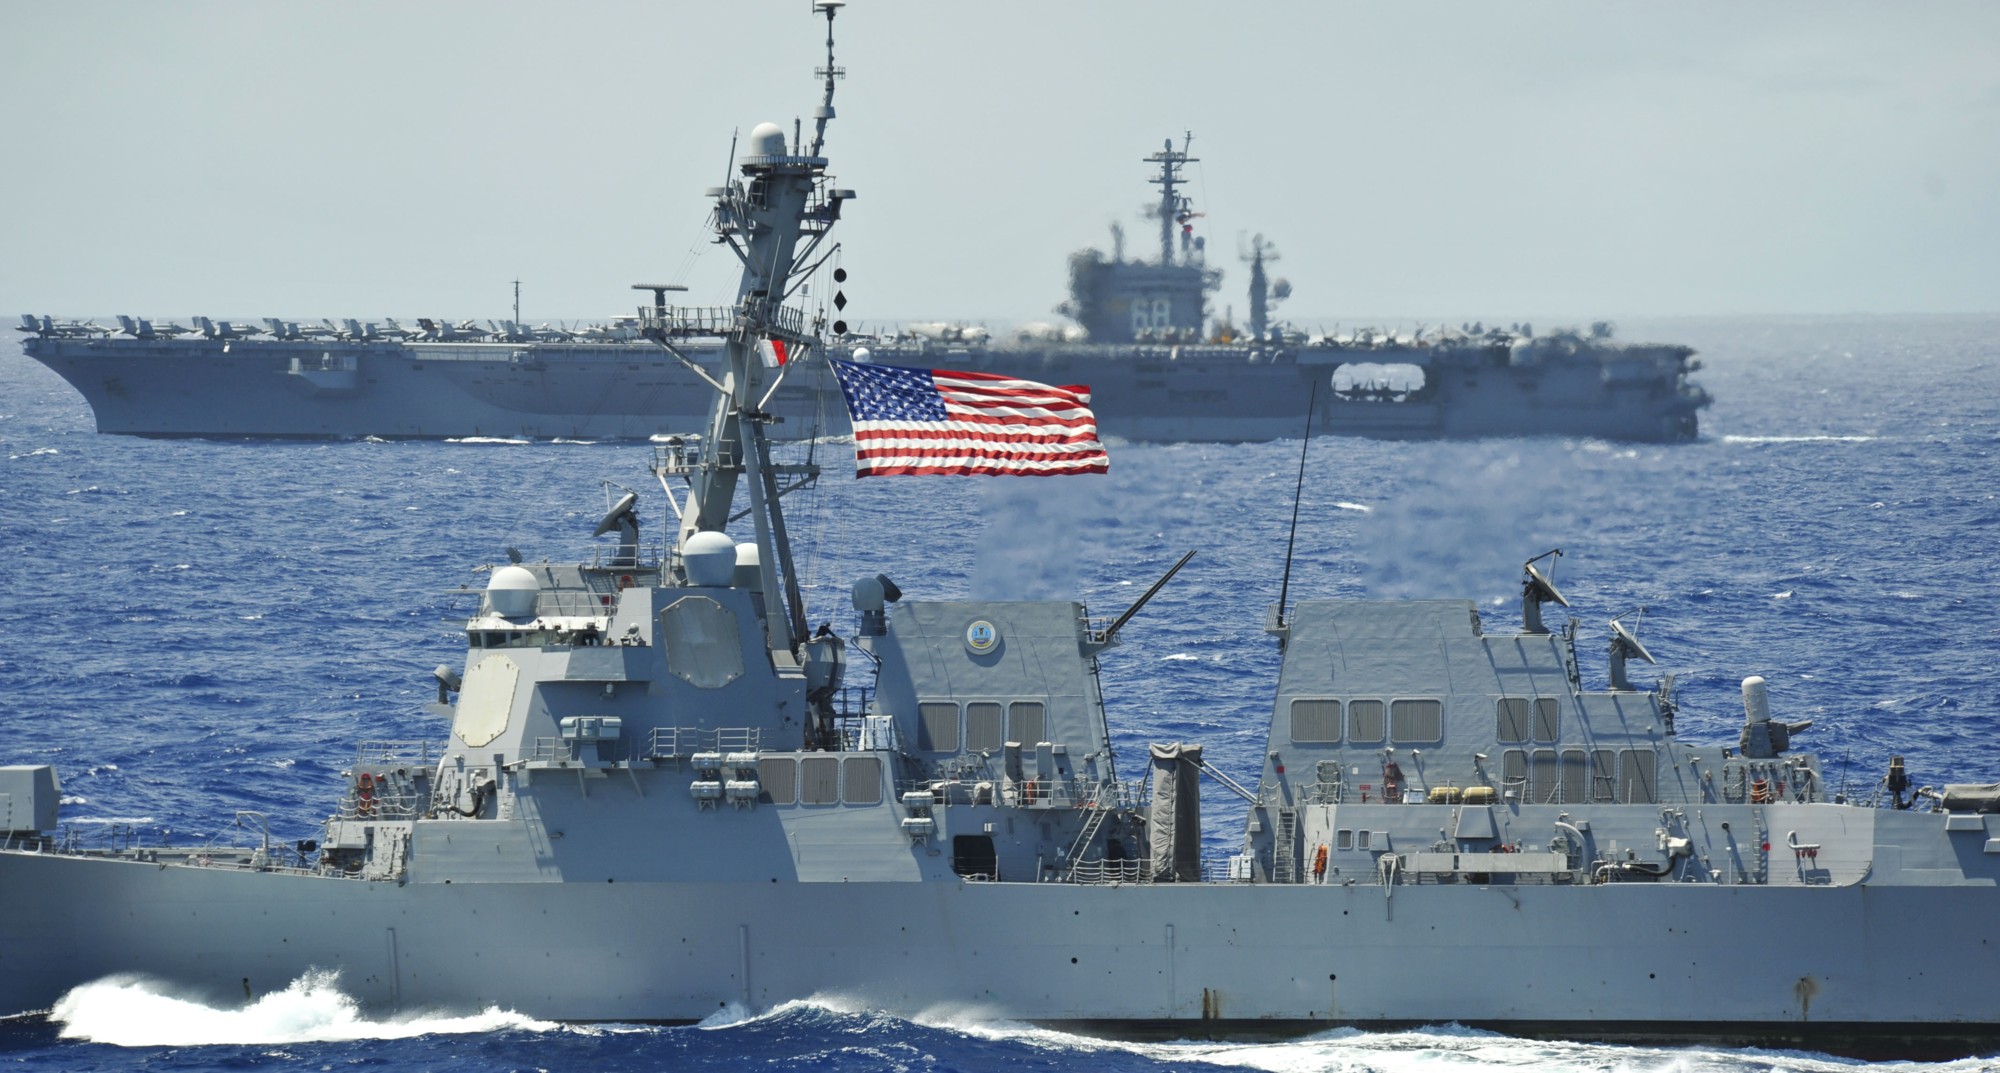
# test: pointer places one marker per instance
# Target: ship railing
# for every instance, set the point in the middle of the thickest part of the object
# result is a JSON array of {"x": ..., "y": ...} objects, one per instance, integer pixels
[
  {"x": 1097, "y": 873},
  {"x": 389, "y": 782},
  {"x": 1140, "y": 870},
  {"x": 570, "y": 750},
  {"x": 382, "y": 752},
  {"x": 1321, "y": 793},
  {"x": 647, "y": 556},
  {"x": 378, "y": 807},
  {"x": 851, "y": 705},
  {"x": 576, "y": 603},
  {"x": 974, "y": 783},
  {"x": 679, "y": 456},
  {"x": 713, "y": 320},
  {"x": 679, "y": 743}
]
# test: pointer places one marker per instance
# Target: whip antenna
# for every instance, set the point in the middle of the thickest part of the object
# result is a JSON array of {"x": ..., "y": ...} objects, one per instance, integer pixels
[{"x": 1291, "y": 539}]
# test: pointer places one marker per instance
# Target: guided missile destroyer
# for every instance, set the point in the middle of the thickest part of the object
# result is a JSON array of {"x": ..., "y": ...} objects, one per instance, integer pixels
[{"x": 663, "y": 793}]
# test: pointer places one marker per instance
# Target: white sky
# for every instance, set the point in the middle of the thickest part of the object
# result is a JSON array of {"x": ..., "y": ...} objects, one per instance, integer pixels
[{"x": 1547, "y": 160}]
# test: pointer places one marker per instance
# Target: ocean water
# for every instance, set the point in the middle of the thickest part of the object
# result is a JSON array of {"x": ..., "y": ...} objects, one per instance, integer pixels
[{"x": 191, "y": 630}]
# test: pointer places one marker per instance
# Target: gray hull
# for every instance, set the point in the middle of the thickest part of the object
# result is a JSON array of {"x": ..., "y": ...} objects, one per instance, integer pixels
[
  {"x": 394, "y": 390},
  {"x": 339, "y": 388},
  {"x": 1659, "y": 962}
]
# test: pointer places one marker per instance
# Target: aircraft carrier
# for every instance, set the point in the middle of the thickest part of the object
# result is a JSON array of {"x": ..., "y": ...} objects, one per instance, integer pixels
[
  {"x": 663, "y": 793},
  {"x": 1160, "y": 367}
]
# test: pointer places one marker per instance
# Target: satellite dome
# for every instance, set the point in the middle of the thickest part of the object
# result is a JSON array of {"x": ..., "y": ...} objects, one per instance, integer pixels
[
  {"x": 709, "y": 559},
  {"x": 862, "y": 355},
  {"x": 511, "y": 592},
  {"x": 767, "y": 139},
  {"x": 749, "y": 563}
]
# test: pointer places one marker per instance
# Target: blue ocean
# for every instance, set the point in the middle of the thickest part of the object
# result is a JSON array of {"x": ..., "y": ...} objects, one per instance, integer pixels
[{"x": 197, "y": 633}]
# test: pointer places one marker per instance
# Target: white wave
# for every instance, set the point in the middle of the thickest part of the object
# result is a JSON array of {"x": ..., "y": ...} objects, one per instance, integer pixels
[
  {"x": 490, "y": 439},
  {"x": 130, "y": 1012},
  {"x": 728, "y": 1016},
  {"x": 1436, "y": 1049},
  {"x": 34, "y": 453},
  {"x": 1785, "y": 595},
  {"x": 1445, "y": 1048},
  {"x": 584, "y": 443},
  {"x": 1362, "y": 507},
  {"x": 1181, "y": 656},
  {"x": 132, "y": 821},
  {"x": 373, "y": 439},
  {"x": 1800, "y": 439}
]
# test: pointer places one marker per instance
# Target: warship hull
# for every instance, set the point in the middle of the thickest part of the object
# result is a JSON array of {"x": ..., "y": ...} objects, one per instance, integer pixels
[
  {"x": 1241, "y": 394},
  {"x": 345, "y": 389},
  {"x": 1887, "y": 968},
  {"x": 341, "y": 389}
]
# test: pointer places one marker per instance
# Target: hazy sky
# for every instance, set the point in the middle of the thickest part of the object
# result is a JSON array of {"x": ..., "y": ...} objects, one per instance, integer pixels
[{"x": 1501, "y": 160}]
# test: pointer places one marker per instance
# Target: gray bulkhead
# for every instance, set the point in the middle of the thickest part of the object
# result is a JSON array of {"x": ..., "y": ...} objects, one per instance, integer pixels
[{"x": 996, "y": 708}]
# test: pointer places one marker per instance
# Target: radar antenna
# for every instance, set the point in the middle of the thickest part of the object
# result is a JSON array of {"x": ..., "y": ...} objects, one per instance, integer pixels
[
  {"x": 1537, "y": 589},
  {"x": 1625, "y": 644},
  {"x": 825, "y": 110}
]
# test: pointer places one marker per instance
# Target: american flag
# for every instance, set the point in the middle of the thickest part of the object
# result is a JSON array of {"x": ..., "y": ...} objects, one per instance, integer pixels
[{"x": 931, "y": 421}]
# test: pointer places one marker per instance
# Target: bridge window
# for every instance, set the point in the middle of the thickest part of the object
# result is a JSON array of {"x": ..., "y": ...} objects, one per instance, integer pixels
[
  {"x": 1315, "y": 720},
  {"x": 1416, "y": 720},
  {"x": 1365, "y": 721},
  {"x": 937, "y": 727}
]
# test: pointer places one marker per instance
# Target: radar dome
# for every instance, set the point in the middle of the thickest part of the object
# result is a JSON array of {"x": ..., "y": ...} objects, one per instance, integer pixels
[
  {"x": 709, "y": 559},
  {"x": 748, "y": 563},
  {"x": 767, "y": 139},
  {"x": 511, "y": 591}
]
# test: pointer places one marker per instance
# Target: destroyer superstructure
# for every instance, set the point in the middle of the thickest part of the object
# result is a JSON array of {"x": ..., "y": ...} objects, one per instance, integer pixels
[{"x": 663, "y": 792}]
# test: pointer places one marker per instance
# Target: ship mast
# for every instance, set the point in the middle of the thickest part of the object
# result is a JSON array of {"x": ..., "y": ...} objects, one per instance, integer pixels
[
  {"x": 774, "y": 218},
  {"x": 1174, "y": 206}
]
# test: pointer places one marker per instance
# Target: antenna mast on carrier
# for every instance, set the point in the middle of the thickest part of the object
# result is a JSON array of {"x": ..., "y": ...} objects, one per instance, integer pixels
[{"x": 1175, "y": 208}]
